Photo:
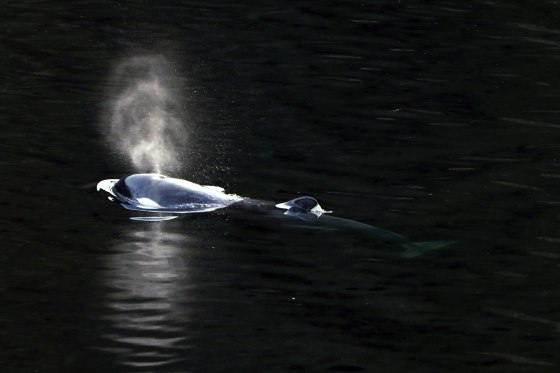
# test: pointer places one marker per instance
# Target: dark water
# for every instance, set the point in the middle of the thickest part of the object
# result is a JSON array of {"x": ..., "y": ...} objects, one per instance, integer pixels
[{"x": 434, "y": 119}]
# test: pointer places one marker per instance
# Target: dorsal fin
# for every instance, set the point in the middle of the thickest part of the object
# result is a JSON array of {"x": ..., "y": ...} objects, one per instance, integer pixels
[{"x": 302, "y": 205}]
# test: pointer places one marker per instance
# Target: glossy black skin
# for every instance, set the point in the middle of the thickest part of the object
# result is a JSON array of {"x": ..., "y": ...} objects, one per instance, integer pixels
[
  {"x": 173, "y": 197},
  {"x": 180, "y": 198}
]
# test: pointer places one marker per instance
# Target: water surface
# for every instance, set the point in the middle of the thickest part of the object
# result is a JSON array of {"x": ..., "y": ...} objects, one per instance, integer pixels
[{"x": 436, "y": 120}]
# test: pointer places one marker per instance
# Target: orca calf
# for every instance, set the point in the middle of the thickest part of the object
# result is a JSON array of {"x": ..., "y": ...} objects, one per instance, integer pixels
[{"x": 169, "y": 196}]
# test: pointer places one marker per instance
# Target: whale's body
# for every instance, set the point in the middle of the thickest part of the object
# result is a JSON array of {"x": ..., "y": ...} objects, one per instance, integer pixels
[{"x": 155, "y": 193}]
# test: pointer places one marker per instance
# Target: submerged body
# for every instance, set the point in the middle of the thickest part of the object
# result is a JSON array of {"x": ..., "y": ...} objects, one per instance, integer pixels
[{"x": 168, "y": 196}]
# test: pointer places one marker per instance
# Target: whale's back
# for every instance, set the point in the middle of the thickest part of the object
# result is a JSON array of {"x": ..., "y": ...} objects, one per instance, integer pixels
[{"x": 154, "y": 192}]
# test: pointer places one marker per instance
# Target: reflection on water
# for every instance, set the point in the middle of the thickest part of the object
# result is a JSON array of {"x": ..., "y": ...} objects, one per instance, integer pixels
[{"x": 148, "y": 279}]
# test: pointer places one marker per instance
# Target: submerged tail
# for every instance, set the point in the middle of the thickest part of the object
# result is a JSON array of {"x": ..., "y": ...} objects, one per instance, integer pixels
[
  {"x": 411, "y": 249},
  {"x": 414, "y": 249}
]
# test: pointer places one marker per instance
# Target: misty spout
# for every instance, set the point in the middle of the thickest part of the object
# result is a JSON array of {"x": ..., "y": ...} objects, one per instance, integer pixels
[{"x": 144, "y": 119}]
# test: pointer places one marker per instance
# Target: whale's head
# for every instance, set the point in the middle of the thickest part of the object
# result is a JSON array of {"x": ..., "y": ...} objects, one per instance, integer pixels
[
  {"x": 129, "y": 191},
  {"x": 155, "y": 192}
]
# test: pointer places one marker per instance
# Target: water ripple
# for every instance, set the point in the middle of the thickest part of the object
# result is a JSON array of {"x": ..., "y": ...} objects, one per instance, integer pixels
[{"x": 146, "y": 306}]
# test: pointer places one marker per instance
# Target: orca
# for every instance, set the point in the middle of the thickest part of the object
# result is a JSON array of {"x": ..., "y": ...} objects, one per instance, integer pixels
[{"x": 170, "y": 197}]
